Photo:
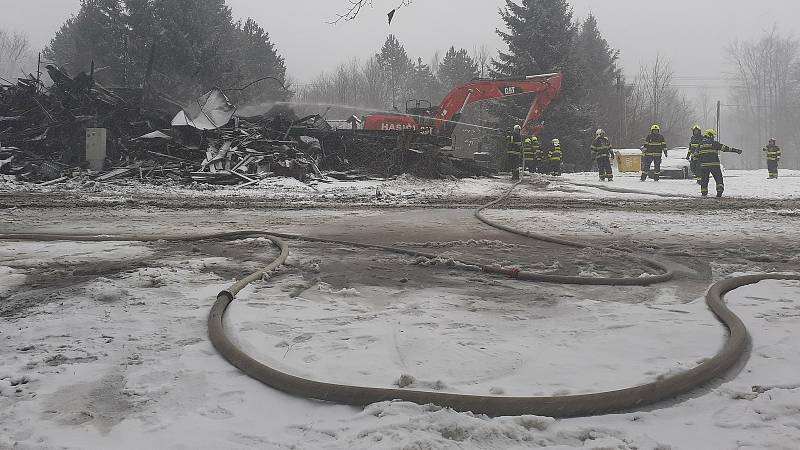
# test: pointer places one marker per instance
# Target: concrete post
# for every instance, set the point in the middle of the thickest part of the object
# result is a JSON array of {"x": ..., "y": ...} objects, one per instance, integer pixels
[{"x": 96, "y": 148}]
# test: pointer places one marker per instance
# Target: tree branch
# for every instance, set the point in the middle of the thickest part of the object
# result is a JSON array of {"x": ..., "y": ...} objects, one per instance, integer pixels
[{"x": 355, "y": 7}]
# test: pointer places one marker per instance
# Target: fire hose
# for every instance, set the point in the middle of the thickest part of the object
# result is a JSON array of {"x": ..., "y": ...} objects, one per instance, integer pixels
[{"x": 627, "y": 399}]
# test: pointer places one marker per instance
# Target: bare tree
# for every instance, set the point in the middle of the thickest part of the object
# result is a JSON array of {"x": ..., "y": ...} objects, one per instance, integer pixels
[
  {"x": 765, "y": 96},
  {"x": 14, "y": 52},
  {"x": 653, "y": 99},
  {"x": 352, "y": 88},
  {"x": 705, "y": 105},
  {"x": 355, "y": 6},
  {"x": 481, "y": 56},
  {"x": 436, "y": 59},
  {"x": 656, "y": 80},
  {"x": 375, "y": 85}
]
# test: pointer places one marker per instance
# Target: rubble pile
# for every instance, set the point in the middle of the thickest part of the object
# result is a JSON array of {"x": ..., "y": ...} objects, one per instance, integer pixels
[{"x": 43, "y": 138}]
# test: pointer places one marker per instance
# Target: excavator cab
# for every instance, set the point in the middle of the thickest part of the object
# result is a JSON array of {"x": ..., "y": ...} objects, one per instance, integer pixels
[{"x": 423, "y": 112}]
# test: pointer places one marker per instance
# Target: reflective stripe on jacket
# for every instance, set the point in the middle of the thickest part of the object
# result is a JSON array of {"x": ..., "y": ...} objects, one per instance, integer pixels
[
  {"x": 555, "y": 153},
  {"x": 709, "y": 152},
  {"x": 531, "y": 149},
  {"x": 655, "y": 145},
  {"x": 773, "y": 152},
  {"x": 514, "y": 148},
  {"x": 601, "y": 148},
  {"x": 694, "y": 146}
]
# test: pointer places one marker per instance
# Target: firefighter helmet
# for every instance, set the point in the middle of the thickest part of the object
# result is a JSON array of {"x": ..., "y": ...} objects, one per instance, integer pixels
[
  {"x": 534, "y": 139},
  {"x": 711, "y": 133},
  {"x": 600, "y": 132},
  {"x": 556, "y": 142},
  {"x": 697, "y": 128},
  {"x": 772, "y": 140},
  {"x": 655, "y": 127},
  {"x": 517, "y": 127}
]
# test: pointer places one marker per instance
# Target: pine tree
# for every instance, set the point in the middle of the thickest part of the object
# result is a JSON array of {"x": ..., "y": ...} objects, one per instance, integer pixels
[
  {"x": 597, "y": 66},
  {"x": 194, "y": 46},
  {"x": 96, "y": 33},
  {"x": 541, "y": 39},
  {"x": 258, "y": 58},
  {"x": 395, "y": 64},
  {"x": 457, "y": 68},
  {"x": 422, "y": 84}
]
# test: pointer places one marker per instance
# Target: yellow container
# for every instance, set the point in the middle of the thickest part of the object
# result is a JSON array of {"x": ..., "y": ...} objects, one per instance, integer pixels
[{"x": 627, "y": 162}]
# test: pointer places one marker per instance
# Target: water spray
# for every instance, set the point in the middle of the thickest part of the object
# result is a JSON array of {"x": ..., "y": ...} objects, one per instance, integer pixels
[{"x": 382, "y": 111}]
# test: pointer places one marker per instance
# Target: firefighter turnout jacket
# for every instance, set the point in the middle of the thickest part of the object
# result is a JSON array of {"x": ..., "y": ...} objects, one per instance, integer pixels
[
  {"x": 773, "y": 152},
  {"x": 655, "y": 145},
  {"x": 514, "y": 148},
  {"x": 709, "y": 152},
  {"x": 601, "y": 148},
  {"x": 694, "y": 146},
  {"x": 531, "y": 149},
  {"x": 555, "y": 153}
]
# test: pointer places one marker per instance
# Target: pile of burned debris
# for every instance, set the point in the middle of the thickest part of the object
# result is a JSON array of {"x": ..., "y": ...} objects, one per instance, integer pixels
[{"x": 44, "y": 138}]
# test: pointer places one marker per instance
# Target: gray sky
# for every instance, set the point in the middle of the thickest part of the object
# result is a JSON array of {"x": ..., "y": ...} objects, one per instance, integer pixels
[{"x": 691, "y": 33}]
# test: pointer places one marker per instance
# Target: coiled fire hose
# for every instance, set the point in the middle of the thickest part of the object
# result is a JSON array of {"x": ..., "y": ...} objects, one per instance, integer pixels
[{"x": 626, "y": 399}]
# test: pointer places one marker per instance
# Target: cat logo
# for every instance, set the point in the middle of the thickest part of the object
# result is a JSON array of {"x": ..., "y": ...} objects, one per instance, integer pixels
[{"x": 511, "y": 90}]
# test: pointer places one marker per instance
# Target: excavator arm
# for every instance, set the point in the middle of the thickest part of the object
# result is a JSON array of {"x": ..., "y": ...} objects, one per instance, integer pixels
[
  {"x": 545, "y": 87},
  {"x": 443, "y": 119}
]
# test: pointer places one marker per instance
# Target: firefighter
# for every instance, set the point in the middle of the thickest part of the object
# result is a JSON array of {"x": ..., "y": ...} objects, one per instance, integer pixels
[
  {"x": 554, "y": 156},
  {"x": 530, "y": 153},
  {"x": 773, "y": 156},
  {"x": 709, "y": 162},
  {"x": 541, "y": 155},
  {"x": 694, "y": 148},
  {"x": 654, "y": 146},
  {"x": 601, "y": 152},
  {"x": 514, "y": 152}
]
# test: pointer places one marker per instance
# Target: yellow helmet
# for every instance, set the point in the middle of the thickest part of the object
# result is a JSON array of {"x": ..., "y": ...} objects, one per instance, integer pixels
[
  {"x": 711, "y": 133},
  {"x": 697, "y": 127},
  {"x": 655, "y": 127}
]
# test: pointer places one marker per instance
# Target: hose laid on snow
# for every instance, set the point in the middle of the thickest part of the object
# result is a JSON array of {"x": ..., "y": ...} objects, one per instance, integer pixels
[
  {"x": 557, "y": 406},
  {"x": 666, "y": 274}
]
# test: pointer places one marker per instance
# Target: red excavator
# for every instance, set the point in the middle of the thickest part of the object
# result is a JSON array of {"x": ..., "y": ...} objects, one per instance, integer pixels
[{"x": 441, "y": 120}]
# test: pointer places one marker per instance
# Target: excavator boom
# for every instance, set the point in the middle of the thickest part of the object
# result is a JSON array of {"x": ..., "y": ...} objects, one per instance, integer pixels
[
  {"x": 544, "y": 87},
  {"x": 442, "y": 119}
]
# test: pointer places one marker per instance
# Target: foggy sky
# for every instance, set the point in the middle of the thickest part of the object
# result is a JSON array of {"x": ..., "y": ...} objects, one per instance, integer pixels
[{"x": 693, "y": 34}]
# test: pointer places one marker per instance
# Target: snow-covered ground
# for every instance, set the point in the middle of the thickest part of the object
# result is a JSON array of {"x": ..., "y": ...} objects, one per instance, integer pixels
[
  {"x": 407, "y": 191},
  {"x": 738, "y": 183},
  {"x": 118, "y": 358},
  {"x": 105, "y": 346}
]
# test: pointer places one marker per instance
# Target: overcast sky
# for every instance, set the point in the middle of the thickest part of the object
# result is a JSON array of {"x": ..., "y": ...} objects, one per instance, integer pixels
[{"x": 691, "y": 33}]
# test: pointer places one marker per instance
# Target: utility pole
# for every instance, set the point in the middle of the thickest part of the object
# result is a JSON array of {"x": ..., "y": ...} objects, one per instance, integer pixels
[
  {"x": 39, "y": 73},
  {"x": 621, "y": 111}
]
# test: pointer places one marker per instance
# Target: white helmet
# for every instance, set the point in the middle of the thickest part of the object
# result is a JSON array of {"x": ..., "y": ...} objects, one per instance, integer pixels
[
  {"x": 556, "y": 142},
  {"x": 517, "y": 127},
  {"x": 599, "y": 132}
]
